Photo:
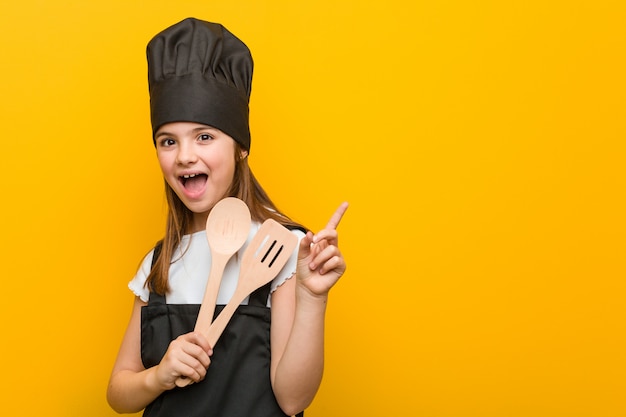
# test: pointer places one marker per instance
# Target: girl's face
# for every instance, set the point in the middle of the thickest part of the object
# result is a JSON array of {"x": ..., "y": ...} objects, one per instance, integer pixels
[{"x": 198, "y": 163}]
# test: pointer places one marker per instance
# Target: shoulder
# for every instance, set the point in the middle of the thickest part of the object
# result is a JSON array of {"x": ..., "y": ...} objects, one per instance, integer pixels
[{"x": 137, "y": 284}]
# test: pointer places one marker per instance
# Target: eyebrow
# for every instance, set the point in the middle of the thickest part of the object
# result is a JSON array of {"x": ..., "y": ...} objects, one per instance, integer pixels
[
  {"x": 163, "y": 134},
  {"x": 194, "y": 130}
]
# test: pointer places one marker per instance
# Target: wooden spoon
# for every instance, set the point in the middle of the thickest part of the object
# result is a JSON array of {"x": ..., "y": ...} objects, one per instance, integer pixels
[
  {"x": 227, "y": 229},
  {"x": 264, "y": 257}
]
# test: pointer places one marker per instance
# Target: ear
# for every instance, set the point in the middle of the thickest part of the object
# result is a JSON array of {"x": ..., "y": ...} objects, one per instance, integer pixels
[{"x": 243, "y": 154}]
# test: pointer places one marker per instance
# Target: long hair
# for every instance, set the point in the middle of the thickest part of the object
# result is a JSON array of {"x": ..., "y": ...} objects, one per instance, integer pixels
[{"x": 244, "y": 186}]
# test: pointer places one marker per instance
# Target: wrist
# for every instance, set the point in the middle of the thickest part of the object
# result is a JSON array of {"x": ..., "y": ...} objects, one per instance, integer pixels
[
  {"x": 152, "y": 381},
  {"x": 307, "y": 297}
]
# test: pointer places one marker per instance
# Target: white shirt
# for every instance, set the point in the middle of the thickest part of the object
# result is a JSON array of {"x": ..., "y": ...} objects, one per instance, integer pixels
[{"x": 190, "y": 272}]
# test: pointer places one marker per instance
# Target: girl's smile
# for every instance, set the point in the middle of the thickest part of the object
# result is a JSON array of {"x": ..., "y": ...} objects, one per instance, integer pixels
[{"x": 193, "y": 184}]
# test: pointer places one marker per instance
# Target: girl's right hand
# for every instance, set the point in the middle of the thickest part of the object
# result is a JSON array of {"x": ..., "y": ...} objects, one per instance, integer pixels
[{"x": 188, "y": 356}]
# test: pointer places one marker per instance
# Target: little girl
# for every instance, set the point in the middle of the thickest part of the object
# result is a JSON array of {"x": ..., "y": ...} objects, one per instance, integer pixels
[{"x": 269, "y": 360}]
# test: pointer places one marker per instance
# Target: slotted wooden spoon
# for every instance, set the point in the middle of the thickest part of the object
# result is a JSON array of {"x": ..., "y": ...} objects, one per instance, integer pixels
[
  {"x": 264, "y": 257},
  {"x": 227, "y": 229}
]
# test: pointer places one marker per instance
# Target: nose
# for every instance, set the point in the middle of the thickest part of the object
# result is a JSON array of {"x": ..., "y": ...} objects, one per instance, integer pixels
[{"x": 186, "y": 154}]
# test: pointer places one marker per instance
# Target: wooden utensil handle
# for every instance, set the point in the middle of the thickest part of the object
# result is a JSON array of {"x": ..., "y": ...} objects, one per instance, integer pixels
[
  {"x": 216, "y": 329},
  {"x": 205, "y": 315}
]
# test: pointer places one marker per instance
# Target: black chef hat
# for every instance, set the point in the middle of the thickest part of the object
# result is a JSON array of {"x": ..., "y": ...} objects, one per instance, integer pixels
[{"x": 200, "y": 72}]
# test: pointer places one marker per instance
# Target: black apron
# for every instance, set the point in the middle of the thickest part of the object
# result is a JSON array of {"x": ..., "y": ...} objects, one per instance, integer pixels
[{"x": 237, "y": 383}]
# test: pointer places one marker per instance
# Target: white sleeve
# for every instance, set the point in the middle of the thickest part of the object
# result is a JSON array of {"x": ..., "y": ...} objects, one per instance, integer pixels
[
  {"x": 137, "y": 284},
  {"x": 289, "y": 270}
]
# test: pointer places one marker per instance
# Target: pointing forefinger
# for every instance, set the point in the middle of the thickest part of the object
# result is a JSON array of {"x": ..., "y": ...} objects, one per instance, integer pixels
[{"x": 336, "y": 218}]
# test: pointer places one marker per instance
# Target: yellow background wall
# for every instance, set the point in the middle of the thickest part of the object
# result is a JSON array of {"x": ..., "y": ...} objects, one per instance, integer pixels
[{"x": 480, "y": 144}]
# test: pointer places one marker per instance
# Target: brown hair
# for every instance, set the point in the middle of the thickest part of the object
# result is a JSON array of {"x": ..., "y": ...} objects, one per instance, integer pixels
[{"x": 244, "y": 186}]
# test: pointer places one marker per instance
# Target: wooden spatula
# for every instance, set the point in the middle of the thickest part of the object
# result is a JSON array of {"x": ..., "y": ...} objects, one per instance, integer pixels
[
  {"x": 264, "y": 257},
  {"x": 227, "y": 229}
]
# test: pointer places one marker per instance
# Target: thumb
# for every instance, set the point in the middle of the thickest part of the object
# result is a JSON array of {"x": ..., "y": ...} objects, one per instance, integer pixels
[{"x": 305, "y": 245}]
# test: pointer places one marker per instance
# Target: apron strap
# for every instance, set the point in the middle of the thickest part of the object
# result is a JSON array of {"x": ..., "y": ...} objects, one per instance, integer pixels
[
  {"x": 155, "y": 298},
  {"x": 260, "y": 295}
]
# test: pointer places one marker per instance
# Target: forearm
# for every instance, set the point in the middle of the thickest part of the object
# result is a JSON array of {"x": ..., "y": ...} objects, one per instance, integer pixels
[
  {"x": 299, "y": 373},
  {"x": 131, "y": 392}
]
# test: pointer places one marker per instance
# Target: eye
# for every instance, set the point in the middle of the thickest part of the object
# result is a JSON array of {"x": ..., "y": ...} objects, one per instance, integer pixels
[
  {"x": 204, "y": 137},
  {"x": 166, "y": 142}
]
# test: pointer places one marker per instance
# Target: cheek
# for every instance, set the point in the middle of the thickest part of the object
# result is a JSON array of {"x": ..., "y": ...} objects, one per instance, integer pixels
[
  {"x": 164, "y": 159},
  {"x": 223, "y": 170},
  {"x": 166, "y": 165},
  {"x": 222, "y": 163}
]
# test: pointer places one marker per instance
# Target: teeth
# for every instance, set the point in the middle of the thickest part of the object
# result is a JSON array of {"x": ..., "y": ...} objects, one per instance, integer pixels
[{"x": 189, "y": 176}]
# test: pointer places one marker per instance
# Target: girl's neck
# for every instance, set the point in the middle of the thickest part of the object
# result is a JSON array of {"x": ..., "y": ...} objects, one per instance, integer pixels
[{"x": 198, "y": 222}]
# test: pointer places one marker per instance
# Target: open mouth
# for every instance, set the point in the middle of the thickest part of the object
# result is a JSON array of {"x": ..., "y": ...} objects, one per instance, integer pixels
[{"x": 193, "y": 182}]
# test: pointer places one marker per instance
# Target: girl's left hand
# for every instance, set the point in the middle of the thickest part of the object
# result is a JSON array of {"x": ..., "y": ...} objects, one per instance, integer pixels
[{"x": 320, "y": 263}]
